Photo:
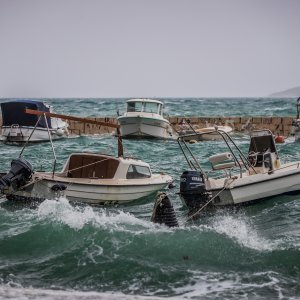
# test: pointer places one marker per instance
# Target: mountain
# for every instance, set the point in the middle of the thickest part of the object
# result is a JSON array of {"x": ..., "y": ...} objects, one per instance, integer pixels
[{"x": 290, "y": 93}]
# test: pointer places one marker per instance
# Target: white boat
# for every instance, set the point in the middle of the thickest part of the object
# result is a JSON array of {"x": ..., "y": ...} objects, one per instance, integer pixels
[
  {"x": 144, "y": 118},
  {"x": 86, "y": 177},
  {"x": 212, "y": 134},
  {"x": 18, "y": 126},
  {"x": 202, "y": 134},
  {"x": 94, "y": 179},
  {"x": 235, "y": 178}
]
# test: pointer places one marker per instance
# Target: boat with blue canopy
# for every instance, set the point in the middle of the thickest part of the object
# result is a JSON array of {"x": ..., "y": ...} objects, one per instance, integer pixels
[{"x": 17, "y": 126}]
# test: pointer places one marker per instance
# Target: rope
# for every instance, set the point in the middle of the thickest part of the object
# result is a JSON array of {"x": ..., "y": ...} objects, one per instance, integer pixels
[{"x": 226, "y": 185}]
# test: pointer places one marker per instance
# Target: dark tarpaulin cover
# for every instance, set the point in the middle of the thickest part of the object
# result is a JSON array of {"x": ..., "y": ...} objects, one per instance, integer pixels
[{"x": 13, "y": 112}]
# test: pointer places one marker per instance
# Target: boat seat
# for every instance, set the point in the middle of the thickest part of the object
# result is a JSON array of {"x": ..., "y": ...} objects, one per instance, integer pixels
[
  {"x": 219, "y": 158},
  {"x": 222, "y": 161}
]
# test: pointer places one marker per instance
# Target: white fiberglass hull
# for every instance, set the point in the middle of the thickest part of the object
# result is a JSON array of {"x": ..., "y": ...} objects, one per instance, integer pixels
[
  {"x": 203, "y": 134},
  {"x": 95, "y": 191},
  {"x": 255, "y": 187},
  {"x": 213, "y": 136},
  {"x": 139, "y": 126},
  {"x": 22, "y": 133}
]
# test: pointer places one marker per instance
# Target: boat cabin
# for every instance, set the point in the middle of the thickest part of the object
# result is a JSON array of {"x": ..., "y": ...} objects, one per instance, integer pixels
[
  {"x": 145, "y": 105},
  {"x": 95, "y": 166}
]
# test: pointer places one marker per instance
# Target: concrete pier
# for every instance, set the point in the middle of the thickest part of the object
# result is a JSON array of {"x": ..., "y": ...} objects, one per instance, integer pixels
[{"x": 278, "y": 125}]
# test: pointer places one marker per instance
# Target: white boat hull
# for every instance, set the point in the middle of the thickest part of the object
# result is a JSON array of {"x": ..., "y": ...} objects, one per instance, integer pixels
[
  {"x": 138, "y": 126},
  {"x": 213, "y": 136},
  {"x": 259, "y": 186},
  {"x": 202, "y": 133},
  {"x": 93, "y": 191},
  {"x": 22, "y": 133}
]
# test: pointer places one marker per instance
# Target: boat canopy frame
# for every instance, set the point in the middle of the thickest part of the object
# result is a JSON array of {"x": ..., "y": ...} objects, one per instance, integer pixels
[
  {"x": 240, "y": 160},
  {"x": 47, "y": 115}
]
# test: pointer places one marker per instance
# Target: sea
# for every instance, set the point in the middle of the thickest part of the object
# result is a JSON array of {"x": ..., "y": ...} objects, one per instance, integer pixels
[{"x": 61, "y": 250}]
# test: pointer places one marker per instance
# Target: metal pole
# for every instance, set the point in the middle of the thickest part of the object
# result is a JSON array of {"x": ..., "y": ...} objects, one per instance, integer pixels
[
  {"x": 192, "y": 155},
  {"x": 30, "y": 135},
  {"x": 50, "y": 139}
]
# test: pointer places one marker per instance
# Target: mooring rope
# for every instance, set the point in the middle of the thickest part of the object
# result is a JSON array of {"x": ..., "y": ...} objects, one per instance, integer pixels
[{"x": 226, "y": 185}]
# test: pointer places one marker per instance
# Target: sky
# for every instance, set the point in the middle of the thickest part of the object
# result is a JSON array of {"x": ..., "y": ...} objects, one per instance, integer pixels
[{"x": 154, "y": 48}]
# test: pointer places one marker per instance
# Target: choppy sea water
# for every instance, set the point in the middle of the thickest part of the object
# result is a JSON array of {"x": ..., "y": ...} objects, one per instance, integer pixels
[{"x": 57, "y": 250}]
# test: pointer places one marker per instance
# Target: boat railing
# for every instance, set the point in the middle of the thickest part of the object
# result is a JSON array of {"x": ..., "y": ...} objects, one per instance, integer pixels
[
  {"x": 240, "y": 160},
  {"x": 14, "y": 127},
  {"x": 50, "y": 139},
  {"x": 84, "y": 120},
  {"x": 229, "y": 173}
]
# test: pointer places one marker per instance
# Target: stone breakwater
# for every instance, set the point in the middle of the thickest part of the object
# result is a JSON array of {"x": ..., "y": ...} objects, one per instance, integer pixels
[{"x": 278, "y": 125}]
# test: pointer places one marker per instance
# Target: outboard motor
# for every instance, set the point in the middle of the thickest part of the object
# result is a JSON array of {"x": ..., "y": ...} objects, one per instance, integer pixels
[
  {"x": 21, "y": 170},
  {"x": 163, "y": 211},
  {"x": 192, "y": 189}
]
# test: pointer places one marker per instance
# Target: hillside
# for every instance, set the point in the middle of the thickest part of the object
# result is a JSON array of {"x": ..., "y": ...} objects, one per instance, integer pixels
[{"x": 293, "y": 93}]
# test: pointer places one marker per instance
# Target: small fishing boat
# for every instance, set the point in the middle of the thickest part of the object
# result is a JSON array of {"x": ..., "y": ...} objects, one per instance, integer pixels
[
  {"x": 144, "y": 118},
  {"x": 186, "y": 129},
  {"x": 235, "y": 178},
  {"x": 17, "y": 126},
  {"x": 212, "y": 136},
  {"x": 86, "y": 177}
]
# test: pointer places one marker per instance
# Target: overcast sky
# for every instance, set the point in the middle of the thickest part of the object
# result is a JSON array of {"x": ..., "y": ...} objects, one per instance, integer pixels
[{"x": 155, "y": 48}]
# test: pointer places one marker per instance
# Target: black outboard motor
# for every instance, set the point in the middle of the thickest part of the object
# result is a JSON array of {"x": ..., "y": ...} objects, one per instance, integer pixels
[
  {"x": 192, "y": 189},
  {"x": 21, "y": 170}
]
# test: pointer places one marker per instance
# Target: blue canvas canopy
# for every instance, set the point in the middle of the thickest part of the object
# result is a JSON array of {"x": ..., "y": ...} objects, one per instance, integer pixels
[{"x": 13, "y": 112}]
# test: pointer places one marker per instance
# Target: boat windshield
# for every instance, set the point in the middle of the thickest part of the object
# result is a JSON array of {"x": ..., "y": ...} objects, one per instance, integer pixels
[
  {"x": 149, "y": 107},
  {"x": 134, "y": 106},
  {"x": 137, "y": 172}
]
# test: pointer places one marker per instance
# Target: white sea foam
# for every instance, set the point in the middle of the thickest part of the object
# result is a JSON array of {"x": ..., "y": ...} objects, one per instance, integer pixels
[
  {"x": 208, "y": 285},
  {"x": 242, "y": 231},
  {"x": 214, "y": 285},
  {"x": 77, "y": 217},
  {"x": 7, "y": 292}
]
